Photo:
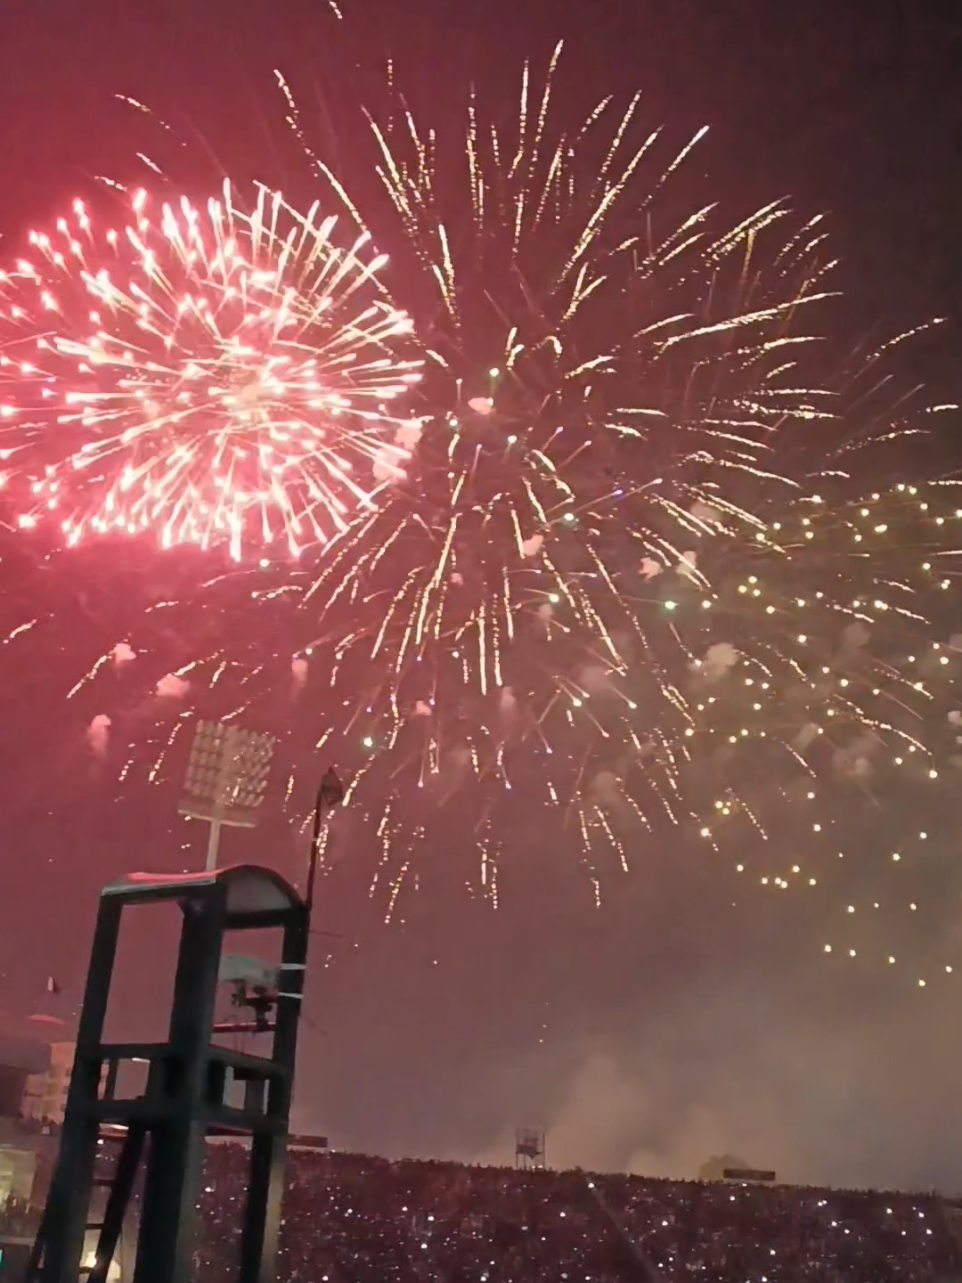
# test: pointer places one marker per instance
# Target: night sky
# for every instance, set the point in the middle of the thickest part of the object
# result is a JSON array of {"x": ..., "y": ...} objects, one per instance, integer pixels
[{"x": 671, "y": 1024}]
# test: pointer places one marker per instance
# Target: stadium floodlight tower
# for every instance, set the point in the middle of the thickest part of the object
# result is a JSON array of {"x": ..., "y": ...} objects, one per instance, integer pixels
[
  {"x": 226, "y": 778},
  {"x": 529, "y": 1148}
]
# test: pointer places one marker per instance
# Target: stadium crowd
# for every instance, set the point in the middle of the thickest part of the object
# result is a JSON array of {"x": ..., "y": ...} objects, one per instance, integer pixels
[
  {"x": 353, "y": 1219},
  {"x": 349, "y": 1218}
]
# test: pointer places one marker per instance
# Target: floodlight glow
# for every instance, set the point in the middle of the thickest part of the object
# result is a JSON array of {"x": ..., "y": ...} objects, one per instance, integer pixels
[{"x": 226, "y": 778}]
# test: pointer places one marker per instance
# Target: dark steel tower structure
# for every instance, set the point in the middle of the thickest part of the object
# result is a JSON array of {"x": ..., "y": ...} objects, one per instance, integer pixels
[{"x": 194, "y": 1088}]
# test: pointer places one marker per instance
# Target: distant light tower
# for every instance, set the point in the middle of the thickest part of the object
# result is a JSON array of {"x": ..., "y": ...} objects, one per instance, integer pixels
[
  {"x": 226, "y": 779},
  {"x": 529, "y": 1148}
]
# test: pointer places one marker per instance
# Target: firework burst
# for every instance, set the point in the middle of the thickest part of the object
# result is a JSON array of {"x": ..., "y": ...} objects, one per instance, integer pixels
[
  {"x": 625, "y": 421},
  {"x": 623, "y": 586},
  {"x": 207, "y": 375}
]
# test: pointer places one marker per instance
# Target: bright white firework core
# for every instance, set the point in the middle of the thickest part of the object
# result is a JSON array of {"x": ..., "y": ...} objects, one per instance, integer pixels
[{"x": 210, "y": 377}]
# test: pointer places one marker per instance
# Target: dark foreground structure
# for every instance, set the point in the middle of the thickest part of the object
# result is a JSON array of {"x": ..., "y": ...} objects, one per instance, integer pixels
[
  {"x": 195, "y": 1088},
  {"x": 185, "y": 1141}
]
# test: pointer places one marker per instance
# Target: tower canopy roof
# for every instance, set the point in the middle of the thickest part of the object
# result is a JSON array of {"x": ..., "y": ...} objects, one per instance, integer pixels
[{"x": 251, "y": 890}]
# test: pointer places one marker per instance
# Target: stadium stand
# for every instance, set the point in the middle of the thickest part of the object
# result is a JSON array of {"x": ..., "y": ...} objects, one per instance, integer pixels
[{"x": 354, "y": 1219}]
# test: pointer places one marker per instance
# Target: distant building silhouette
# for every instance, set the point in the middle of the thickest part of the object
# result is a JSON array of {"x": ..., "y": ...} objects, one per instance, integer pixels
[{"x": 45, "y": 1093}]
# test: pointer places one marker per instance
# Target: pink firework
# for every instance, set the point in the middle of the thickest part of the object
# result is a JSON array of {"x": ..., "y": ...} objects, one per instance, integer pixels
[{"x": 211, "y": 376}]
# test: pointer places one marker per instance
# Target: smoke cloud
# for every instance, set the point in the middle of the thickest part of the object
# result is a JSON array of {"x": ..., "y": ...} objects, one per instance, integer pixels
[
  {"x": 855, "y": 759},
  {"x": 718, "y": 661},
  {"x": 832, "y": 1101},
  {"x": 172, "y": 686},
  {"x": 595, "y": 679},
  {"x": 98, "y": 734},
  {"x": 688, "y": 1016},
  {"x": 508, "y": 705},
  {"x": 605, "y": 789},
  {"x": 391, "y": 461}
]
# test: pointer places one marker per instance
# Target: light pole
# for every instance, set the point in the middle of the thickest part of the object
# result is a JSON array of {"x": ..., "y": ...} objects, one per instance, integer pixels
[
  {"x": 226, "y": 779},
  {"x": 329, "y": 794}
]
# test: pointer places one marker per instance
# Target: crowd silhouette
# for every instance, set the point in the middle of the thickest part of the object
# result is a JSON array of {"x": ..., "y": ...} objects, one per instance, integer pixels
[
  {"x": 355, "y": 1219},
  {"x": 350, "y": 1218}
]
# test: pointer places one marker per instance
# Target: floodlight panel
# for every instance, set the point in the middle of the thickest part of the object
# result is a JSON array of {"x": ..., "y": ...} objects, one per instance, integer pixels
[{"x": 228, "y": 769}]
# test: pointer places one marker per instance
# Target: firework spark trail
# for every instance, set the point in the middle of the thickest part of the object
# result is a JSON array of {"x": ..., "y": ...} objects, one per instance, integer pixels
[
  {"x": 209, "y": 376},
  {"x": 816, "y": 699},
  {"x": 608, "y": 577},
  {"x": 602, "y": 415},
  {"x": 605, "y": 589}
]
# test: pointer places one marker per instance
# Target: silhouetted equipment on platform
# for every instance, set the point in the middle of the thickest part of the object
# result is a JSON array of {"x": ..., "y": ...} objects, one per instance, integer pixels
[
  {"x": 255, "y": 988},
  {"x": 529, "y": 1148},
  {"x": 194, "y": 1087}
]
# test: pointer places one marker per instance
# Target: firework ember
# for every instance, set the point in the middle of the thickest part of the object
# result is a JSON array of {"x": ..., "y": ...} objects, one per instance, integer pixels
[
  {"x": 624, "y": 414},
  {"x": 206, "y": 375},
  {"x": 625, "y": 586},
  {"x": 629, "y": 592}
]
